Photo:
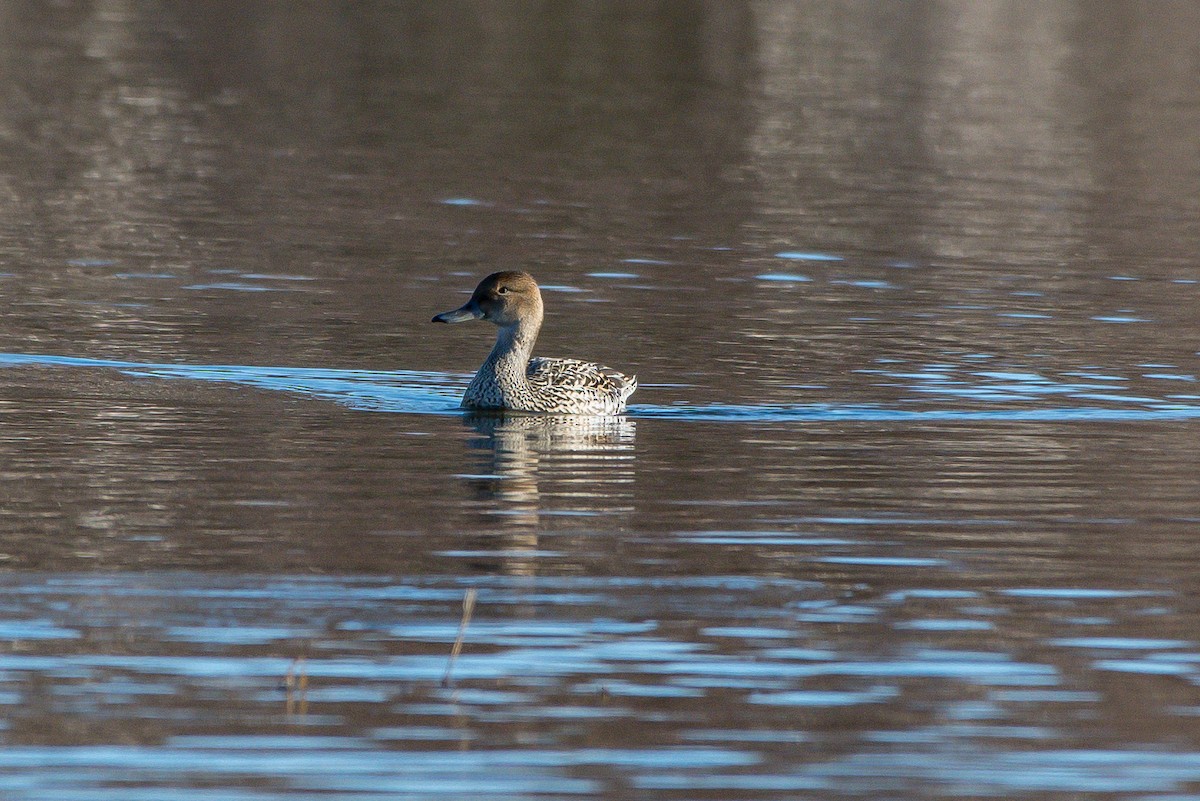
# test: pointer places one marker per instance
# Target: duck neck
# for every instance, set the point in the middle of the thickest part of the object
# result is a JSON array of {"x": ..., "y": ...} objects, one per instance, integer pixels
[{"x": 510, "y": 356}]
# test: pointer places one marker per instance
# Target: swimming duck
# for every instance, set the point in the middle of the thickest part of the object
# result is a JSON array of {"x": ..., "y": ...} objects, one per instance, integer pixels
[{"x": 509, "y": 379}]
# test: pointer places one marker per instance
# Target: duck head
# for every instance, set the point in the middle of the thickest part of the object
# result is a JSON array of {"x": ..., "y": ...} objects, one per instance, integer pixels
[{"x": 506, "y": 299}]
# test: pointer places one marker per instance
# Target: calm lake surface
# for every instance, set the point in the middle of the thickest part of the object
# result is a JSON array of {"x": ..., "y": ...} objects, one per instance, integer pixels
[{"x": 906, "y": 506}]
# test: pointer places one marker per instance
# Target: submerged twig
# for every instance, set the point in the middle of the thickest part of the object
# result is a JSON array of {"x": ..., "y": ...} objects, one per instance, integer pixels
[
  {"x": 295, "y": 683},
  {"x": 468, "y": 608}
]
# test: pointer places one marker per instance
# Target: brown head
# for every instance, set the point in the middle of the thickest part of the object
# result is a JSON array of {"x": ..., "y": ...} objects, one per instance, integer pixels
[{"x": 506, "y": 299}]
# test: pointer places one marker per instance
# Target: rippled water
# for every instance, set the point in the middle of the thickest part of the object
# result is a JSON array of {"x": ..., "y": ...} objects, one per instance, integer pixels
[
  {"x": 999, "y": 395},
  {"x": 904, "y": 506}
]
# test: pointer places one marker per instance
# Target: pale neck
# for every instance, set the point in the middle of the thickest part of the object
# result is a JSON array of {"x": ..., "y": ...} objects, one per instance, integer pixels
[{"x": 514, "y": 344}]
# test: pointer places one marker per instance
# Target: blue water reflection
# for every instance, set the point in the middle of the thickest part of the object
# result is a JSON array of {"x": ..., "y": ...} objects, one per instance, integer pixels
[
  {"x": 545, "y": 655},
  {"x": 968, "y": 393}
]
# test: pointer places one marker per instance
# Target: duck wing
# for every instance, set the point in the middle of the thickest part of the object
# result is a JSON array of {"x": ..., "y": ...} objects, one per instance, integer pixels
[{"x": 579, "y": 378}]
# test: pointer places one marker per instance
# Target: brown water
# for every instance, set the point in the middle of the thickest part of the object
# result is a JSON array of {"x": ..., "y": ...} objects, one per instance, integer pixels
[{"x": 906, "y": 504}]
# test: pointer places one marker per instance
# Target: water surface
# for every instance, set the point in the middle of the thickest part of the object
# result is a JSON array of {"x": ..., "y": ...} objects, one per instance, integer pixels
[{"x": 903, "y": 508}]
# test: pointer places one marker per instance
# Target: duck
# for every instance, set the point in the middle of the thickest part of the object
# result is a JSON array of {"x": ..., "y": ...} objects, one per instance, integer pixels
[{"x": 509, "y": 379}]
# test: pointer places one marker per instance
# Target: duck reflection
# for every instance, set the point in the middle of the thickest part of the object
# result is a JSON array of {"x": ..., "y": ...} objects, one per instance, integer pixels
[{"x": 549, "y": 474}]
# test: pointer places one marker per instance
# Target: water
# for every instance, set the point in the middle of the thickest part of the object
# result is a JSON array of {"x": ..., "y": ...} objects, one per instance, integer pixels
[{"x": 903, "y": 508}]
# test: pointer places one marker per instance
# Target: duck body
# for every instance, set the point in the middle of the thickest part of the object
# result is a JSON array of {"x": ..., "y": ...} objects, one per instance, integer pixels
[
  {"x": 510, "y": 379},
  {"x": 553, "y": 386}
]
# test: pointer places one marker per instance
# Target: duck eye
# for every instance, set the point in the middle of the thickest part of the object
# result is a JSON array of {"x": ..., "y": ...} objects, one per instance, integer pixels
[{"x": 503, "y": 290}]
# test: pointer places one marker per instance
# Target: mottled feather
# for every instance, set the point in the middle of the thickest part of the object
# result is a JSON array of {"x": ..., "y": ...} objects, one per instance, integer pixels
[{"x": 575, "y": 383}]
